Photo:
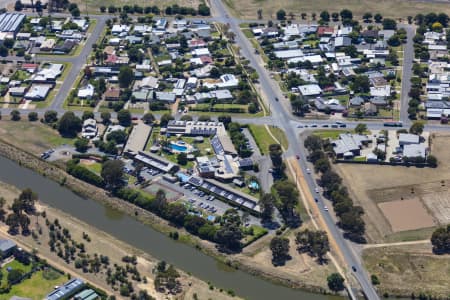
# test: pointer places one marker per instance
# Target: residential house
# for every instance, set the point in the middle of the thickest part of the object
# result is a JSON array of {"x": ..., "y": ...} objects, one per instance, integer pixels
[
  {"x": 89, "y": 129},
  {"x": 112, "y": 94},
  {"x": 86, "y": 92}
]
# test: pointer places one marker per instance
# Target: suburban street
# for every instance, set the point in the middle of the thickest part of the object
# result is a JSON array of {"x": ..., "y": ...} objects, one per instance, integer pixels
[{"x": 280, "y": 115}]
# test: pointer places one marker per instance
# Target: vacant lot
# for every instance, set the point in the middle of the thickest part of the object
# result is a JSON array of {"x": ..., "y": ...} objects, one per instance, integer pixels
[
  {"x": 409, "y": 269},
  {"x": 33, "y": 137},
  {"x": 389, "y": 8},
  {"x": 94, "y": 6},
  {"x": 417, "y": 216},
  {"x": 372, "y": 184}
]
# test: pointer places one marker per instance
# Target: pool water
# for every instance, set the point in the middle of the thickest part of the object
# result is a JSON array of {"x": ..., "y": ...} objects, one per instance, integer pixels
[{"x": 177, "y": 147}]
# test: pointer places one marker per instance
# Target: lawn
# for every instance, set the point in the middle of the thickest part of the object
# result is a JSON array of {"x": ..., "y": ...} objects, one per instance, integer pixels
[
  {"x": 95, "y": 167},
  {"x": 248, "y": 33},
  {"x": 280, "y": 136},
  {"x": 36, "y": 287},
  {"x": 31, "y": 136},
  {"x": 262, "y": 137},
  {"x": 328, "y": 133}
]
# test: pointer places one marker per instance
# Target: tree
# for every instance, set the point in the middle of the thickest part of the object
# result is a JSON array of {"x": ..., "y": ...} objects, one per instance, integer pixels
[
  {"x": 325, "y": 16},
  {"x": 394, "y": 41},
  {"x": 416, "y": 128},
  {"x": 118, "y": 136},
  {"x": 361, "y": 128},
  {"x": 367, "y": 17},
  {"x": 69, "y": 125},
  {"x": 346, "y": 14},
  {"x": 440, "y": 239},
  {"x": 389, "y": 24},
  {"x": 165, "y": 118},
  {"x": 313, "y": 143},
  {"x": 50, "y": 116},
  {"x": 14, "y": 276},
  {"x": 275, "y": 153},
  {"x": 106, "y": 117},
  {"x": 374, "y": 279},
  {"x": 360, "y": 84},
  {"x": 267, "y": 207},
  {"x": 148, "y": 118},
  {"x": 378, "y": 18},
  {"x": 126, "y": 76},
  {"x": 335, "y": 16},
  {"x": 18, "y": 6},
  {"x": 281, "y": 15},
  {"x": 182, "y": 158},
  {"x": 3, "y": 51},
  {"x": 124, "y": 117},
  {"x": 112, "y": 174},
  {"x": 15, "y": 115},
  {"x": 313, "y": 242},
  {"x": 226, "y": 120},
  {"x": 81, "y": 145},
  {"x": 87, "y": 115},
  {"x": 280, "y": 250},
  {"x": 230, "y": 233},
  {"x": 32, "y": 116},
  {"x": 335, "y": 282},
  {"x": 432, "y": 161},
  {"x": 186, "y": 118}
]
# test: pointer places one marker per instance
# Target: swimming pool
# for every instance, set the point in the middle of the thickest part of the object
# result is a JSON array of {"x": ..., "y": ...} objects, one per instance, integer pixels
[{"x": 177, "y": 147}]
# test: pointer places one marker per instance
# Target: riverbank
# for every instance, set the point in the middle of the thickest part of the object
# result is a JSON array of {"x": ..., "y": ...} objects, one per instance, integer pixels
[
  {"x": 100, "y": 242},
  {"x": 307, "y": 275}
]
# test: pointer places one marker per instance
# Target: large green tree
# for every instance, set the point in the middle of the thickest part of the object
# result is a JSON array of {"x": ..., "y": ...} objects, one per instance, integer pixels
[
  {"x": 112, "y": 174},
  {"x": 335, "y": 282},
  {"x": 69, "y": 125},
  {"x": 280, "y": 250},
  {"x": 230, "y": 233}
]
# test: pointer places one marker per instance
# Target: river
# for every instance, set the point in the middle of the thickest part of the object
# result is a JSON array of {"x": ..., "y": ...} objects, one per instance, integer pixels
[{"x": 131, "y": 231}]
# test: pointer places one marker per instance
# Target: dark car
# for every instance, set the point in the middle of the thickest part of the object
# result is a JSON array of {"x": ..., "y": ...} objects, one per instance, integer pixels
[
  {"x": 297, "y": 156},
  {"x": 276, "y": 99},
  {"x": 354, "y": 268}
]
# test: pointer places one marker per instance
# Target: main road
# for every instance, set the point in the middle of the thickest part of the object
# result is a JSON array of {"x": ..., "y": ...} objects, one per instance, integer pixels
[{"x": 281, "y": 118}]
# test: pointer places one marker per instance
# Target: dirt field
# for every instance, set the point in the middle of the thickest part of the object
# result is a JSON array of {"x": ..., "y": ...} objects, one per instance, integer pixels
[
  {"x": 371, "y": 185},
  {"x": 406, "y": 214},
  {"x": 33, "y": 137},
  {"x": 301, "y": 266},
  {"x": 388, "y": 8},
  {"x": 104, "y": 244},
  {"x": 409, "y": 269}
]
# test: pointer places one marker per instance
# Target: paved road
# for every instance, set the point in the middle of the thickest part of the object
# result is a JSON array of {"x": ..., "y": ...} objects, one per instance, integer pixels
[
  {"x": 408, "y": 56},
  {"x": 281, "y": 117}
]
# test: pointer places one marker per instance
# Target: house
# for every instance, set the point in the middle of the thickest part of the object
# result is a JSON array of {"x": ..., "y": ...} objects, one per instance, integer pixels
[
  {"x": 325, "y": 31},
  {"x": 191, "y": 83},
  {"x": 47, "y": 45},
  {"x": 82, "y": 23},
  {"x": 141, "y": 95},
  {"x": 287, "y": 54},
  {"x": 408, "y": 139},
  {"x": 197, "y": 43},
  {"x": 155, "y": 161},
  {"x": 7, "y": 248},
  {"x": 356, "y": 101},
  {"x": 112, "y": 94},
  {"x": 349, "y": 145},
  {"x": 89, "y": 129},
  {"x": 165, "y": 97},
  {"x": 86, "y": 92},
  {"x": 201, "y": 52},
  {"x": 161, "y": 24},
  {"x": 38, "y": 92},
  {"x": 48, "y": 74},
  {"x": 17, "y": 91},
  {"x": 370, "y": 109},
  {"x": 30, "y": 68},
  {"x": 222, "y": 95},
  {"x": 227, "y": 81},
  {"x": 309, "y": 90},
  {"x": 342, "y": 41},
  {"x": 65, "y": 47},
  {"x": 148, "y": 83},
  {"x": 117, "y": 29},
  {"x": 414, "y": 150},
  {"x": 378, "y": 101},
  {"x": 380, "y": 91},
  {"x": 67, "y": 290}
]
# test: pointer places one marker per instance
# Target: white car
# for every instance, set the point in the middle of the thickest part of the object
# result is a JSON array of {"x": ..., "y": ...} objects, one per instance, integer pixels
[
  {"x": 308, "y": 170},
  {"x": 325, "y": 208},
  {"x": 316, "y": 190}
]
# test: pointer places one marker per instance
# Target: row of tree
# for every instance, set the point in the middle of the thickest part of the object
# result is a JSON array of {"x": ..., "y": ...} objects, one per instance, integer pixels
[
  {"x": 350, "y": 216},
  {"x": 175, "y": 9}
]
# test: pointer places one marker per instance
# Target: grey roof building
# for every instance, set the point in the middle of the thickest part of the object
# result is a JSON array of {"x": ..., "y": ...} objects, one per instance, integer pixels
[
  {"x": 7, "y": 247},
  {"x": 415, "y": 150},
  {"x": 408, "y": 139},
  {"x": 67, "y": 290},
  {"x": 11, "y": 23},
  {"x": 349, "y": 145}
]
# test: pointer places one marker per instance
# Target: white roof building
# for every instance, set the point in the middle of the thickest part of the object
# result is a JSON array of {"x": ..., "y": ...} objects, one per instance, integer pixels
[
  {"x": 86, "y": 92},
  {"x": 310, "y": 90}
]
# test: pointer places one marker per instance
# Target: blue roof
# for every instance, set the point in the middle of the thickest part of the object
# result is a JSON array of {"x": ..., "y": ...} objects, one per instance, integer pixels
[{"x": 183, "y": 177}]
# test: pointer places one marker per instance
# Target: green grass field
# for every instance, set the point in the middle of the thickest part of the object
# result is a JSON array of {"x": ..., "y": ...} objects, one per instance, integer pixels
[
  {"x": 36, "y": 287},
  {"x": 262, "y": 137},
  {"x": 329, "y": 133}
]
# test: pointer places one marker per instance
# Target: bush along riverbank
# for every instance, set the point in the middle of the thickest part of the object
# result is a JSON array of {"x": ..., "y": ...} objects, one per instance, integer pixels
[{"x": 58, "y": 174}]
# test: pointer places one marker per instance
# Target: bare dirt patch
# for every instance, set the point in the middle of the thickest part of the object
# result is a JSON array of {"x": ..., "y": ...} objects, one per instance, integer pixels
[
  {"x": 370, "y": 185},
  {"x": 404, "y": 270},
  {"x": 392, "y": 8},
  {"x": 406, "y": 214}
]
